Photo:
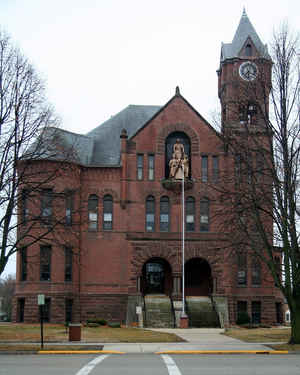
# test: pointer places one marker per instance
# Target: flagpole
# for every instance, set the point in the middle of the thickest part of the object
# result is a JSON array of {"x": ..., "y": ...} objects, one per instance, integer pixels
[{"x": 183, "y": 224}]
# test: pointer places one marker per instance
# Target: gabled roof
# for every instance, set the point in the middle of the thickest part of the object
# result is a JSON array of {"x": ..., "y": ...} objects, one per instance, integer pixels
[
  {"x": 177, "y": 95},
  {"x": 101, "y": 147},
  {"x": 244, "y": 31}
]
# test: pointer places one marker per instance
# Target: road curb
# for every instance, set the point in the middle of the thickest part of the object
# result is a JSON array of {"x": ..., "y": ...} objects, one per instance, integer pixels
[
  {"x": 79, "y": 352},
  {"x": 223, "y": 352}
]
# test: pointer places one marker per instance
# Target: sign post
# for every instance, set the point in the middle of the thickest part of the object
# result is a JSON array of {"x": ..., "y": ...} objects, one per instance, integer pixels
[{"x": 41, "y": 303}]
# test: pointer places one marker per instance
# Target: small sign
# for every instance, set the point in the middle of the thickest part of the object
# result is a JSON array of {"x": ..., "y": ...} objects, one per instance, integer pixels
[
  {"x": 41, "y": 299},
  {"x": 138, "y": 309}
]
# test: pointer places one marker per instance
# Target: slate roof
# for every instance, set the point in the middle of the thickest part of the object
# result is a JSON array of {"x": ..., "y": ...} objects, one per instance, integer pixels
[
  {"x": 106, "y": 151},
  {"x": 245, "y": 29},
  {"x": 100, "y": 147},
  {"x": 58, "y": 144}
]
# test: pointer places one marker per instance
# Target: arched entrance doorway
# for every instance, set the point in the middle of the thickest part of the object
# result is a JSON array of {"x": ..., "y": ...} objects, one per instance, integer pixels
[
  {"x": 198, "y": 280},
  {"x": 157, "y": 277}
]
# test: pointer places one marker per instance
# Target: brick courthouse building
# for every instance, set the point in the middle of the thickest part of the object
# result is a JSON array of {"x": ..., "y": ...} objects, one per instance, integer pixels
[{"x": 121, "y": 239}]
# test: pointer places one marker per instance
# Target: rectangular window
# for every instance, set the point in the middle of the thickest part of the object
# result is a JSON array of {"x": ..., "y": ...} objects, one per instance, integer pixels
[
  {"x": 204, "y": 215},
  {"x": 45, "y": 263},
  {"x": 242, "y": 269},
  {"x": 256, "y": 312},
  {"x": 47, "y": 204},
  {"x": 150, "y": 222},
  {"x": 68, "y": 310},
  {"x": 107, "y": 212},
  {"x": 150, "y": 214},
  {"x": 69, "y": 198},
  {"x": 23, "y": 254},
  {"x": 24, "y": 208},
  {"x": 151, "y": 167},
  {"x": 215, "y": 174},
  {"x": 68, "y": 263},
  {"x": 256, "y": 271},
  {"x": 204, "y": 168},
  {"x": 140, "y": 166},
  {"x": 241, "y": 307},
  {"x": 190, "y": 214},
  {"x": 93, "y": 212},
  {"x": 243, "y": 114},
  {"x": 21, "y": 309},
  {"x": 164, "y": 221}
]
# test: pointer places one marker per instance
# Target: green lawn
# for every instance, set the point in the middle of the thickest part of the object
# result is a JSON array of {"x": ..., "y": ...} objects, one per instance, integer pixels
[{"x": 102, "y": 334}]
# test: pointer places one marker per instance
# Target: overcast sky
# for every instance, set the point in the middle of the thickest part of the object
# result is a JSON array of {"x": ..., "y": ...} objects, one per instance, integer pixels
[{"x": 98, "y": 56}]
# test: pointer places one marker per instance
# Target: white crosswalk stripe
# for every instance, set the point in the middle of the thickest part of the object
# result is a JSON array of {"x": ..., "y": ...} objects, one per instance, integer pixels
[
  {"x": 89, "y": 367},
  {"x": 171, "y": 365}
]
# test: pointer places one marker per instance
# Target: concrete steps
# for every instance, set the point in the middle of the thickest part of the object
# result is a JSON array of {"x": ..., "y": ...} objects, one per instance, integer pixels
[
  {"x": 158, "y": 312},
  {"x": 201, "y": 312}
]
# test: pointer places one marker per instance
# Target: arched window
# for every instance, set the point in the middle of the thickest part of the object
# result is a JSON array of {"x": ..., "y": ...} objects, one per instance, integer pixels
[
  {"x": 204, "y": 215},
  {"x": 256, "y": 271},
  {"x": 107, "y": 212},
  {"x": 164, "y": 223},
  {"x": 150, "y": 214},
  {"x": 248, "y": 50},
  {"x": 93, "y": 212},
  {"x": 190, "y": 214}
]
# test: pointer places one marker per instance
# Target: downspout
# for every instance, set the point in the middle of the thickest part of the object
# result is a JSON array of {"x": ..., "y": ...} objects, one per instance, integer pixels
[{"x": 123, "y": 137}]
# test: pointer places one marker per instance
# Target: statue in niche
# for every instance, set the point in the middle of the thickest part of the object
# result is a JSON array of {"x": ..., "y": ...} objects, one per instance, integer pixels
[
  {"x": 178, "y": 149},
  {"x": 179, "y": 164}
]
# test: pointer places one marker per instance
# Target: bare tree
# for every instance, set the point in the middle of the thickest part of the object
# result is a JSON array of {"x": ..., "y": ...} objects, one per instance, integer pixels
[
  {"x": 27, "y": 124},
  {"x": 261, "y": 201},
  {"x": 7, "y": 289}
]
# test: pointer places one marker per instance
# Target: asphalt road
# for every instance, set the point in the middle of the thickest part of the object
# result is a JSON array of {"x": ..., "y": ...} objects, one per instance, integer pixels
[{"x": 144, "y": 364}]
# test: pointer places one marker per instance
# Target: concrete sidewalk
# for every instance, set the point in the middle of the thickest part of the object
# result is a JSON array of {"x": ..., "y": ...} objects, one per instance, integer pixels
[{"x": 196, "y": 339}]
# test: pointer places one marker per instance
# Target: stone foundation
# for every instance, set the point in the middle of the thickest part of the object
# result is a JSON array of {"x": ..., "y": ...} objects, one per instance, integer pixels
[{"x": 108, "y": 307}]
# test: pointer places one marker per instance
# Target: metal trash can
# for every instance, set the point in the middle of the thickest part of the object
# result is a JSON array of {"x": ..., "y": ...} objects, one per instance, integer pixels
[{"x": 74, "y": 332}]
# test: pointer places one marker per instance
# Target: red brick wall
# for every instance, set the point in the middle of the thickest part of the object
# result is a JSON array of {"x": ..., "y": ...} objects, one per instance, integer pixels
[{"x": 107, "y": 263}]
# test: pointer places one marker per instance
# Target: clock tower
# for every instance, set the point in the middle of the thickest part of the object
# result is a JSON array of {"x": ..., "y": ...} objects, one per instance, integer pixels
[{"x": 244, "y": 79}]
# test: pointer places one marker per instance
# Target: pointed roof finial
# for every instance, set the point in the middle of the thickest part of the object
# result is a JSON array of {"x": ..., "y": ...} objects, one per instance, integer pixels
[
  {"x": 244, "y": 12},
  {"x": 177, "y": 91}
]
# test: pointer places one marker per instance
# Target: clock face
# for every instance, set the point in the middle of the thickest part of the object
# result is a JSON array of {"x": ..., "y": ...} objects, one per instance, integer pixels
[{"x": 248, "y": 71}]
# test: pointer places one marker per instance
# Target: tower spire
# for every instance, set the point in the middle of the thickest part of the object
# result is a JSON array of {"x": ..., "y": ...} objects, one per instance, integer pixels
[{"x": 245, "y": 31}]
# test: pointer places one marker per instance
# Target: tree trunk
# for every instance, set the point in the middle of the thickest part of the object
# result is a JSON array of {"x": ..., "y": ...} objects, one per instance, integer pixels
[{"x": 295, "y": 324}]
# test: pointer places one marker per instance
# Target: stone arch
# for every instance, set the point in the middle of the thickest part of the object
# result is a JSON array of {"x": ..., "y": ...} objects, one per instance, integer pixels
[
  {"x": 198, "y": 277},
  {"x": 142, "y": 253},
  {"x": 111, "y": 192},
  {"x": 156, "y": 277},
  {"x": 178, "y": 127}
]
